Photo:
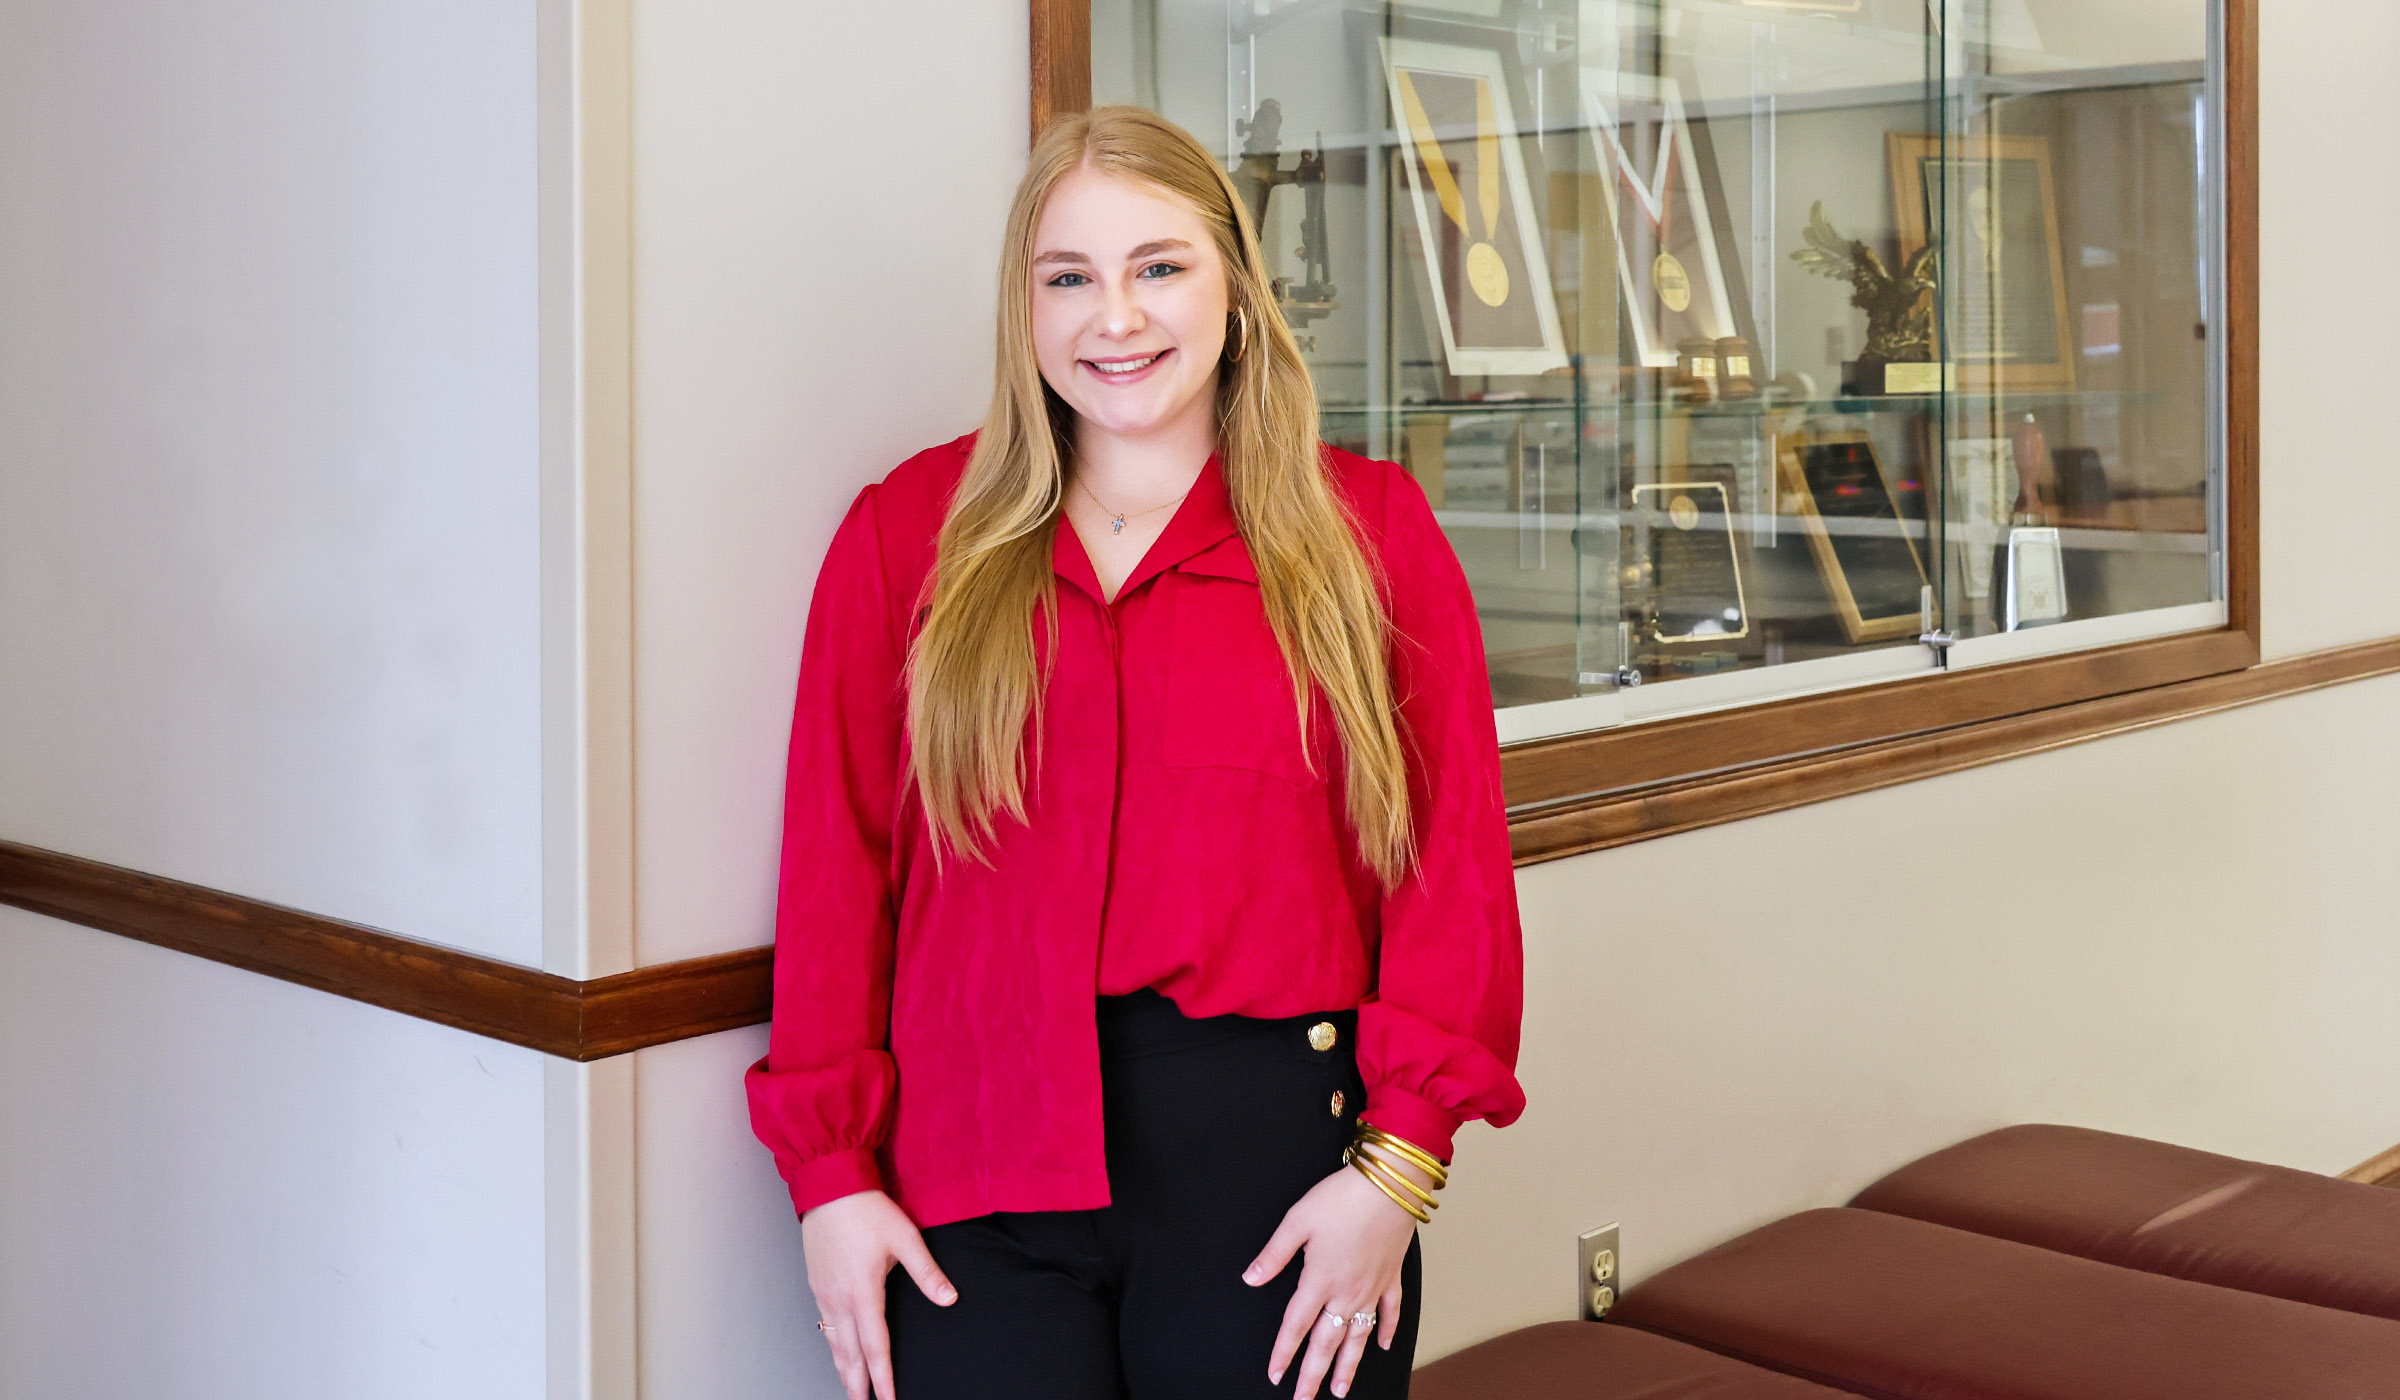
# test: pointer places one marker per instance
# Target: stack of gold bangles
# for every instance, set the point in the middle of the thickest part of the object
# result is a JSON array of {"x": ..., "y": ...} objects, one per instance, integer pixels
[{"x": 1375, "y": 1153}]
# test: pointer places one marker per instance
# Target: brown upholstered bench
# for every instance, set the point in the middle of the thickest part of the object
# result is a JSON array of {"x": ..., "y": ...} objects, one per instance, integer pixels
[
  {"x": 2035, "y": 1263},
  {"x": 1596, "y": 1359},
  {"x": 2164, "y": 1210},
  {"x": 1887, "y": 1306}
]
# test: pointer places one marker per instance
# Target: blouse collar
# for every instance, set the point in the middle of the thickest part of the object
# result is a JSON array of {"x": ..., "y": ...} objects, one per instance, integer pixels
[{"x": 1203, "y": 521}]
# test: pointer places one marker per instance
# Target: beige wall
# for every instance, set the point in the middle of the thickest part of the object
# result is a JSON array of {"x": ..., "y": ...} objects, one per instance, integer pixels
[
  {"x": 2186, "y": 933},
  {"x": 2191, "y": 933},
  {"x": 2329, "y": 143}
]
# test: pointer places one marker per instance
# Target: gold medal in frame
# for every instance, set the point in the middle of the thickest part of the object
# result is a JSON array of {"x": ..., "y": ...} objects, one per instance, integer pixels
[
  {"x": 1668, "y": 268},
  {"x": 1488, "y": 274}
]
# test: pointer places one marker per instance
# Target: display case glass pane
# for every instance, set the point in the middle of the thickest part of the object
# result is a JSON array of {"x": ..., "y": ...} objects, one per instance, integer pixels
[{"x": 1744, "y": 347}]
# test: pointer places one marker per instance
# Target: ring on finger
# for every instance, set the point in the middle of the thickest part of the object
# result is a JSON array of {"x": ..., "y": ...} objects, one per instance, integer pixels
[
  {"x": 1333, "y": 1317},
  {"x": 824, "y": 1326},
  {"x": 1363, "y": 1319}
]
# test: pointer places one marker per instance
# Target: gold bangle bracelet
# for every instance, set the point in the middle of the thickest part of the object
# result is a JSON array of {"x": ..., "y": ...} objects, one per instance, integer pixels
[
  {"x": 1383, "y": 1153},
  {"x": 1384, "y": 1168},
  {"x": 1403, "y": 1146},
  {"x": 1415, "y": 1211},
  {"x": 1417, "y": 1156},
  {"x": 1393, "y": 1163}
]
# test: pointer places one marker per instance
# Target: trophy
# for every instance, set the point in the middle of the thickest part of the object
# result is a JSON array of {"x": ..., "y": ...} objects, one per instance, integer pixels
[
  {"x": 1899, "y": 354},
  {"x": 1257, "y": 176}
]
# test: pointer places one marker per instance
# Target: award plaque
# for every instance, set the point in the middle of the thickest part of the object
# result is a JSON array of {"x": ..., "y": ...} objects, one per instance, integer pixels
[
  {"x": 1693, "y": 574},
  {"x": 2037, "y": 577},
  {"x": 1857, "y": 534},
  {"x": 2004, "y": 279}
]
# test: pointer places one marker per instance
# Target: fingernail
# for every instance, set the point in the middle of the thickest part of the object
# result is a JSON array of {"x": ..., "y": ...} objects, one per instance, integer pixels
[
  {"x": 949, "y": 1296},
  {"x": 1340, "y": 1389},
  {"x": 1250, "y": 1275},
  {"x": 1274, "y": 1377}
]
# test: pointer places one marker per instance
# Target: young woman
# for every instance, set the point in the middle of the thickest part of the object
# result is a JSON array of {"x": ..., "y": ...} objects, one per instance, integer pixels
[{"x": 1147, "y": 924}]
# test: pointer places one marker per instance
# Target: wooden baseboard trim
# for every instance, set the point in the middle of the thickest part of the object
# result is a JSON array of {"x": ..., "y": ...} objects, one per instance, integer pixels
[
  {"x": 2382, "y": 1169},
  {"x": 1608, "y": 820},
  {"x": 589, "y": 1020}
]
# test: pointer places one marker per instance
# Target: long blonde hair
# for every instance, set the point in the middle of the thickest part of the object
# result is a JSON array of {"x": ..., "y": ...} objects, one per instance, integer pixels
[{"x": 972, "y": 679}]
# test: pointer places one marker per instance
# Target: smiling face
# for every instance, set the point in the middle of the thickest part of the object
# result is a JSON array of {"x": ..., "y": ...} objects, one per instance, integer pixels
[{"x": 1129, "y": 306}]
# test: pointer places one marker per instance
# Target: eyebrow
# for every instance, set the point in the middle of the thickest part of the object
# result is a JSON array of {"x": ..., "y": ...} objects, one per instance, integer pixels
[{"x": 1155, "y": 245}]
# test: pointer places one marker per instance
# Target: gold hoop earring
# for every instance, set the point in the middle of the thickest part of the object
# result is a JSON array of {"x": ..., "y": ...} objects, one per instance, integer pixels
[{"x": 1242, "y": 345}]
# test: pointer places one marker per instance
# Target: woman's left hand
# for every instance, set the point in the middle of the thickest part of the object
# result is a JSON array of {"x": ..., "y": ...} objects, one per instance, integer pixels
[{"x": 1354, "y": 1238}]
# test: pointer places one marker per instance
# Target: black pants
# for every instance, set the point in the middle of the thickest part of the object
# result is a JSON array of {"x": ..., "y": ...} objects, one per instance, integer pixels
[{"x": 1215, "y": 1127}]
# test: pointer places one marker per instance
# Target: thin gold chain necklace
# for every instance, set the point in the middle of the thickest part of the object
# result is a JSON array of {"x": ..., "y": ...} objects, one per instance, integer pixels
[{"x": 1116, "y": 518}]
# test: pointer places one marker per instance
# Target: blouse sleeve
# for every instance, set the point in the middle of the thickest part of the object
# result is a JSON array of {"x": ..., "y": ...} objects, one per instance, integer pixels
[
  {"x": 1438, "y": 1039},
  {"x": 822, "y": 1098}
]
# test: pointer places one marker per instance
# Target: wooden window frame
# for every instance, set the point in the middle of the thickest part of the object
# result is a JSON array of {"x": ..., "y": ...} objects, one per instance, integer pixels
[{"x": 1580, "y": 792}]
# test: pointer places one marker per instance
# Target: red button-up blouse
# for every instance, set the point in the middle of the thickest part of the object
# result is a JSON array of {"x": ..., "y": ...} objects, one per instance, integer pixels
[{"x": 934, "y": 1031}]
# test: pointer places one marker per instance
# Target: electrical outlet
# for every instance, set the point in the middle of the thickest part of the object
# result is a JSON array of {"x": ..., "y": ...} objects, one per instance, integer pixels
[{"x": 1598, "y": 1272}]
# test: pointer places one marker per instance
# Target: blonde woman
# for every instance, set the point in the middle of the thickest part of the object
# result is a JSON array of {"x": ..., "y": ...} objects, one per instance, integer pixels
[{"x": 1147, "y": 925}]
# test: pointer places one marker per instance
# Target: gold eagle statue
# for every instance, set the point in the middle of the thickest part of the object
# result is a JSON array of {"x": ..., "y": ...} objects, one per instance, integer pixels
[{"x": 1899, "y": 314}]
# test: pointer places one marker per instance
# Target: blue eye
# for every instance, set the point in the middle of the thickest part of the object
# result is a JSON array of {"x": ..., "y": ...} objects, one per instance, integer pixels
[
  {"x": 1069, "y": 279},
  {"x": 1162, "y": 269}
]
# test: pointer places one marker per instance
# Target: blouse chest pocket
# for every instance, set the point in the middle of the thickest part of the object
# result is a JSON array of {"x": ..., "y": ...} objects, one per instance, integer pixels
[{"x": 1229, "y": 701}]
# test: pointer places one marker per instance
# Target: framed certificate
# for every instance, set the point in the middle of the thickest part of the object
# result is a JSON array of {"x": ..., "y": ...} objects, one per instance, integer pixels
[
  {"x": 1487, "y": 272},
  {"x": 1857, "y": 534},
  {"x": 2003, "y": 319},
  {"x": 1982, "y": 490},
  {"x": 1691, "y": 569}
]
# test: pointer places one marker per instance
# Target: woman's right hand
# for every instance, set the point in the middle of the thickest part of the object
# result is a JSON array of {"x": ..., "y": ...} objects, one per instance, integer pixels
[{"x": 851, "y": 1243}]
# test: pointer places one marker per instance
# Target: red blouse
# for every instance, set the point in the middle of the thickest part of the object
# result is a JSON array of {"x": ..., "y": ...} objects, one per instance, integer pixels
[{"x": 934, "y": 1031}]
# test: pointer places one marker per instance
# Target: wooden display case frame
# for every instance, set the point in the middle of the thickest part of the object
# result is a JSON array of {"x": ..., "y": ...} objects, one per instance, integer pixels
[{"x": 1580, "y": 792}]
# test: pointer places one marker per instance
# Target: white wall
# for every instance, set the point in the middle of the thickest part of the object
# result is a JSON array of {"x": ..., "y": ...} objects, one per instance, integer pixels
[
  {"x": 214, "y": 1184},
  {"x": 270, "y": 621},
  {"x": 268, "y": 533}
]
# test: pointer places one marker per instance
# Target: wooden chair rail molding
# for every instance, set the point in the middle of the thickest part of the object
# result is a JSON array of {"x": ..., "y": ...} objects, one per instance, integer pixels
[
  {"x": 675, "y": 1001},
  {"x": 2383, "y": 1169},
  {"x": 521, "y": 1005}
]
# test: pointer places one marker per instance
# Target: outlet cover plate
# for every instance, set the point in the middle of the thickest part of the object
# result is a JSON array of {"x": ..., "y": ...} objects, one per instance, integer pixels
[{"x": 1599, "y": 1272}]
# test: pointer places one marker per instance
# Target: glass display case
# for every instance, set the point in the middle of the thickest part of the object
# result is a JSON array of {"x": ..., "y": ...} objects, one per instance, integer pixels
[{"x": 1746, "y": 348}]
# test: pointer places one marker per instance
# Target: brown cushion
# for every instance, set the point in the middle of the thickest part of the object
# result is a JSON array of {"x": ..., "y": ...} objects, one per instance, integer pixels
[
  {"x": 2165, "y": 1210},
  {"x": 1889, "y": 1306},
  {"x": 1595, "y": 1361}
]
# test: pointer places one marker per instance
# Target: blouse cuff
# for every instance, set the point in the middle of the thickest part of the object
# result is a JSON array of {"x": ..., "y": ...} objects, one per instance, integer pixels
[
  {"x": 845, "y": 1172},
  {"x": 1410, "y": 1116}
]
